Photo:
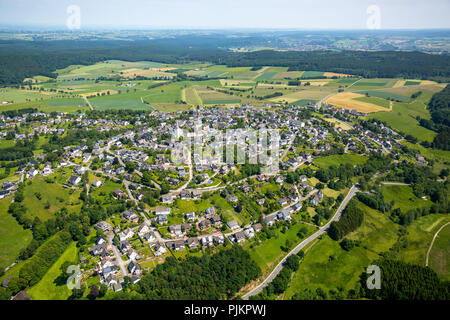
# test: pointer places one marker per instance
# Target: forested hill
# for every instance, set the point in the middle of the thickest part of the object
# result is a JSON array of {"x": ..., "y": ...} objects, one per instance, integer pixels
[{"x": 23, "y": 59}]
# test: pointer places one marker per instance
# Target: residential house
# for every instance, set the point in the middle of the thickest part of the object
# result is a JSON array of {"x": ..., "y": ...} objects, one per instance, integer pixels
[
  {"x": 233, "y": 225},
  {"x": 159, "y": 249},
  {"x": 249, "y": 233},
  {"x": 190, "y": 216},
  {"x": 204, "y": 224},
  {"x": 269, "y": 220},
  {"x": 96, "y": 183},
  {"x": 239, "y": 237},
  {"x": 74, "y": 180},
  {"x": 192, "y": 243},
  {"x": 131, "y": 216}
]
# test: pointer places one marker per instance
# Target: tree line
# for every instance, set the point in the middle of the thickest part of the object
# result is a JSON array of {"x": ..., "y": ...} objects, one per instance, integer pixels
[
  {"x": 25, "y": 59},
  {"x": 351, "y": 219}
]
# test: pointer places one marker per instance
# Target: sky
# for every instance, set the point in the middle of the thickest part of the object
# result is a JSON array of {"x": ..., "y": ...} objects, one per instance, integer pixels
[{"x": 220, "y": 14}]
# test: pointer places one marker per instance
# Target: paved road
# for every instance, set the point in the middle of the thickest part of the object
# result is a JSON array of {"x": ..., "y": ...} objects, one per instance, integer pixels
[
  {"x": 116, "y": 252},
  {"x": 302, "y": 244}
]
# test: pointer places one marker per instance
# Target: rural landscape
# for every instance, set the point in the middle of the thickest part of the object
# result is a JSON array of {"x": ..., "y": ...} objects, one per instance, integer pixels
[{"x": 96, "y": 205}]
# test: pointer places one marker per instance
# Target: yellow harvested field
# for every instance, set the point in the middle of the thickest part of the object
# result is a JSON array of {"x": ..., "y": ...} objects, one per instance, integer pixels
[
  {"x": 399, "y": 83},
  {"x": 346, "y": 100},
  {"x": 338, "y": 123},
  {"x": 334, "y": 74},
  {"x": 153, "y": 72},
  {"x": 191, "y": 96},
  {"x": 315, "y": 93}
]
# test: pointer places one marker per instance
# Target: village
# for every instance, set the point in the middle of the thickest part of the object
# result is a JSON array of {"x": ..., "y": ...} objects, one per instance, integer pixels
[{"x": 199, "y": 204}]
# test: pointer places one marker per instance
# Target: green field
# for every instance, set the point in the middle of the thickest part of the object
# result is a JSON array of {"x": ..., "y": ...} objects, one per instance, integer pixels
[
  {"x": 328, "y": 266},
  {"x": 374, "y": 100},
  {"x": 336, "y": 160},
  {"x": 412, "y": 83},
  {"x": 439, "y": 259},
  {"x": 420, "y": 234},
  {"x": 266, "y": 75},
  {"x": 49, "y": 288},
  {"x": 51, "y": 193},
  {"x": 227, "y": 210},
  {"x": 20, "y": 96},
  {"x": 303, "y": 102},
  {"x": 404, "y": 197},
  {"x": 384, "y": 95},
  {"x": 268, "y": 253},
  {"x": 371, "y": 83},
  {"x": 13, "y": 238},
  {"x": 403, "y": 117},
  {"x": 131, "y": 101},
  {"x": 346, "y": 80},
  {"x": 312, "y": 74}
]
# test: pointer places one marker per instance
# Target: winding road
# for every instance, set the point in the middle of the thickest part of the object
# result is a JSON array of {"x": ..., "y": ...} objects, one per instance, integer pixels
[{"x": 302, "y": 244}]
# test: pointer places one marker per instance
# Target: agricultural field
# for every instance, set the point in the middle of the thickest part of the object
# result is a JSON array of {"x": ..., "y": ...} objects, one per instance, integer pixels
[
  {"x": 13, "y": 238},
  {"x": 209, "y": 96},
  {"x": 129, "y": 101},
  {"x": 13, "y": 96},
  {"x": 113, "y": 84},
  {"x": 310, "y": 93},
  {"x": 403, "y": 117},
  {"x": 356, "y": 101}
]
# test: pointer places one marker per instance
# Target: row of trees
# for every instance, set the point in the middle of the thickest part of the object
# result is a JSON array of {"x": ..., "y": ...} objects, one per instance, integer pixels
[
  {"x": 281, "y": 281},
  {"x": 351, "y": 219},
  {"x": 35, "y": 268},
  {"x": 24, "y": 59}
]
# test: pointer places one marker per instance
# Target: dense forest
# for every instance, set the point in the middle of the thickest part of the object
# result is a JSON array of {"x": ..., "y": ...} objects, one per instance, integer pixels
[
  {"x": 404, "y": 281},
  {"x": 439, "y": 107},
  {"x": 351, "y": 219},
  {"x": 211, "y": 277},
  {"x": 23, "y": 59}
]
